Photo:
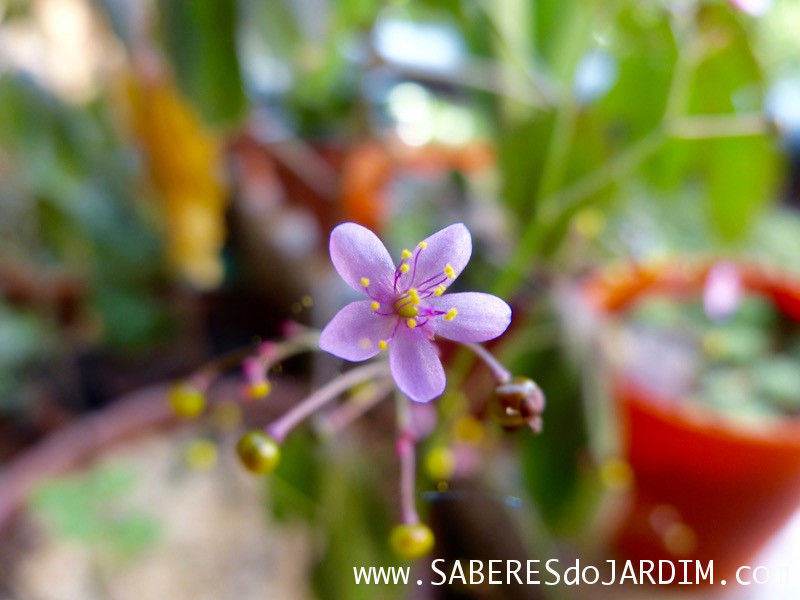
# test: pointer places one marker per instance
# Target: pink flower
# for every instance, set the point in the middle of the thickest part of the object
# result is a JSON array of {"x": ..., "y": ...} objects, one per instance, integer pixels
[
  {"x": 722, "y": 293},
  {"x": 406, "y": 307},
  {"x": 755, "y": 8}
]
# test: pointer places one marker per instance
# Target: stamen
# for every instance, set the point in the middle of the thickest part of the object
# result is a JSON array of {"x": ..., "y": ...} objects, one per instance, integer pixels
[
  {"x": 404, "y": 268},
  {"x": 449, "y": 271},
  {"x": 416, "y": 260},
  {"x": 369, "y": 294},
  {"x": 432, "y": 282},
  {"x": 414, "y": 296},
  {"x": 451, "y": 314},
  {"x": 375, "y": 305},
  {"x": 423, "y": 245},
  {"x": 406, "y": 254},
  {"x": 382, "y": 344},
  {"x": 439, "y": 290},
  {"x": 365, "y": 282},
  {"x": 411, "y": 323},
  {"x": 394, "y": 331}
]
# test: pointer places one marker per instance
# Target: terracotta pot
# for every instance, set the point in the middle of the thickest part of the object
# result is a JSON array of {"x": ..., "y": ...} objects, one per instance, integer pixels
[{"x": 704, "y": 488}]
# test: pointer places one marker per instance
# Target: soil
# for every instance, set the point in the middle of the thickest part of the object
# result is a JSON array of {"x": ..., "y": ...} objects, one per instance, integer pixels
[{"x": 216, "y": 540}]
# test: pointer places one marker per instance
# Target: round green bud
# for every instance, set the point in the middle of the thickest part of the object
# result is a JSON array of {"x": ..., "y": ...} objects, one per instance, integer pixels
[
  {"x": 258, "y": 452},
  {"x": 186, "y": 400},
  {"x": 411, "y": 541}
]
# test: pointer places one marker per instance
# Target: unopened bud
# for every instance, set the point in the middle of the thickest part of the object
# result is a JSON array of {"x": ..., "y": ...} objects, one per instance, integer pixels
[{"x": 516, "y": 403}]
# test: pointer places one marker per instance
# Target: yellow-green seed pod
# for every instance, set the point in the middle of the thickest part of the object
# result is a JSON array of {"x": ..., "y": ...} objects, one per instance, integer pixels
[
  {"x": 186, "y": 400},
  {"x": 258, "y": 452},
  {"x": 411, "y": 541},
  {"x": 258, "y": 390}
]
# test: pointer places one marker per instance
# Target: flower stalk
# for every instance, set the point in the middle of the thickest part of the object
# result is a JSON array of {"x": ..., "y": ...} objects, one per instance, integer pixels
[
  {"x": 360, "y": 402},
  {"x": 404, "y": 448},
  {"x": 280, "y": 428},
  {"x": 499, "y": 372}
]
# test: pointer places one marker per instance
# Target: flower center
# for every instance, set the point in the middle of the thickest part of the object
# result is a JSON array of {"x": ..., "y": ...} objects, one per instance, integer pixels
[
  {"x": 407, "y": 303},
  {"x": 406, "y": 309}
]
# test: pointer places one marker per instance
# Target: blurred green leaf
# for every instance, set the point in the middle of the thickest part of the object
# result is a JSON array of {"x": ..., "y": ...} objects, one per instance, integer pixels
[
  {"x": 551, "y": 461},
  {"x": 133, "y": 319},
  {"x": 740, "y": 171},
  {"x": 68, "y": 507},
  {"x": 728, "y": 78},
  {"x": 779, "y": 379},
  {"x": 200, "y": 38},
  {"x": 22, "y": 337},
  {"x": 132, "y": 534},
  {"x": 294, "y": 487},
  {"x": 741, "y": 180},
  {"x": 521, "y": 154},
  {"x": 736, "y": 343},
  {"x": 355, "y": 523},
  {"x": 646, "y": 52},
  {"x": 551, "y": 23},
  {"x": 91, "y": 508}
]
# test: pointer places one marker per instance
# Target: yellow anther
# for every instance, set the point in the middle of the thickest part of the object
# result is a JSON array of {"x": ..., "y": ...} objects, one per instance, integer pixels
[
  {"x": 364, "y": 281},
  {"x": 450, "y": 271},
  {"x": 451, "y": 314},
  {"x": 375, "y": 305},
  {"x": 404, "y": 268},
  {"x": 440, "y": 289},
  {"x": 411, "y": 323},
  {"x": 413, "y": 296},
  {"x": 406, "y": 254},
  {"x": 423, "y": 245},
  {"x": 382, "y": 344}
]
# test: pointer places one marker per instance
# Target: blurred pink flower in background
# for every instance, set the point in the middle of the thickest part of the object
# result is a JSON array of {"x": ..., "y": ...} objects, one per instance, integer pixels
[
  {"x": 723, "y": 291},
  {"x": 751, "y": 7}
]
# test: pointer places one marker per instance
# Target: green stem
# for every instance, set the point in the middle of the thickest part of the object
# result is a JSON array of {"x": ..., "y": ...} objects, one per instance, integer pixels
[
  {"x": 547, "y": 229},
  {"x": 540, "y": 88},
  {"x": 703, "y": 127},
  {"x": 570, "y": 199}
]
